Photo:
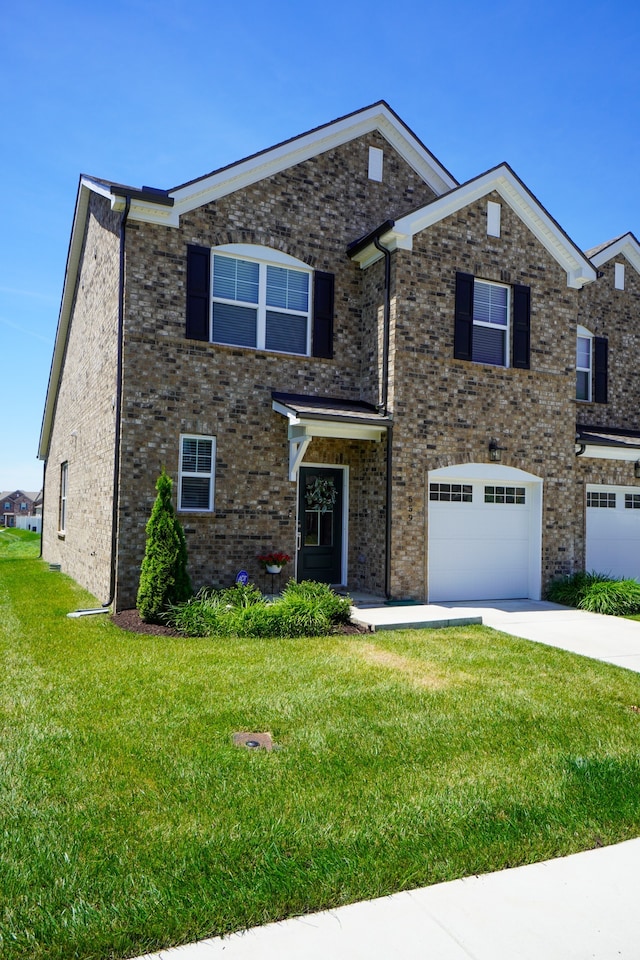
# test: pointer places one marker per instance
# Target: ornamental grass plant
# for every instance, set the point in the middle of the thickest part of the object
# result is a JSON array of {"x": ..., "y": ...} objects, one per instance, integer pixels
[
  {"x": 597, "y": 593},
  {"x": 306, "y": 609}
]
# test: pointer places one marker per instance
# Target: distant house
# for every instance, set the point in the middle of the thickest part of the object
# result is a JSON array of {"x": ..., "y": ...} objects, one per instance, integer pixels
[
  {"x": 410, "y": 385},
  {"x": 19, "y": 503}
]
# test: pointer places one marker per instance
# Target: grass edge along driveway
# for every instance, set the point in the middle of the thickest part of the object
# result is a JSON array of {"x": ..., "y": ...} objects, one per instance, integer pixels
[{"x": 130, "y": 822}]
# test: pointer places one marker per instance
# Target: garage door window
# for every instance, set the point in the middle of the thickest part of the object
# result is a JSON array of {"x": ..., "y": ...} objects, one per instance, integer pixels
[
  {"x": 632, "y": 501},
  {"x": 451, "y": 492},
  {"x": 595, "y": 499},
  {"x": 504, "y": 495}
]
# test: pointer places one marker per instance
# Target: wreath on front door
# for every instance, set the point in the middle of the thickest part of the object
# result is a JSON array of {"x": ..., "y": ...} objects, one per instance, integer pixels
[{"x": 320, "y": 494}]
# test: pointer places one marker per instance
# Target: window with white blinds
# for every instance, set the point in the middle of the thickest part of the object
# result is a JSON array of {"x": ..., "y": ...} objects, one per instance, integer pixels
[
  {"x": 196, "y": 473},
  {"x": 490, "y": 323},
  {"x": 260, "y": 305}
]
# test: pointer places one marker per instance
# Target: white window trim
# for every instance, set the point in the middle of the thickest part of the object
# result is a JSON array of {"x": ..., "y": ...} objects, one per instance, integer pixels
[
  {"x": 619, "y": 276},
  {"x": 199, "y": 474},
  {"x": 585, "y": 335},
  {"x": 264, "y": 257},
  {"x": 497, "y": 326}
]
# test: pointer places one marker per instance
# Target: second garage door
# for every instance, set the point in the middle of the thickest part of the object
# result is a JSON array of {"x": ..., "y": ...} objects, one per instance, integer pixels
[
  {"x": 484, "y": 540},
  {"x": 613, "y": 530}
]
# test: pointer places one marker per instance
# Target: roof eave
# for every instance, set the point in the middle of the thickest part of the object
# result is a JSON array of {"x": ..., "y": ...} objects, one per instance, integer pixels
[
  {"x": 503, "y": 181},
  {"x": 68, "y": 292},
  {"x": 257, "y": 167},
  {"x": 626, "y": 246}
]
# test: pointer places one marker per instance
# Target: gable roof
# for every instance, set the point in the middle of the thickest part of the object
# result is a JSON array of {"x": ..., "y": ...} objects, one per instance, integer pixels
[
  {"x": 165, "y": 206},
  {"x": 18, "y": 494},
  {"x": 624, "y": 246},
  {"x": 379, "y": 116},
  {"x": 507, "y": 184}
]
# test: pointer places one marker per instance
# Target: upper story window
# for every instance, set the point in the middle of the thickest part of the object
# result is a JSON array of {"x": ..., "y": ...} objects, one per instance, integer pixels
[
  {"x": 261, "y": 305},
  {"x": 492, "y": 322},
  {"x": 584, "y": 364},
  {"x": 592, "y": 367},
  {"x": 250, "y": 296}
]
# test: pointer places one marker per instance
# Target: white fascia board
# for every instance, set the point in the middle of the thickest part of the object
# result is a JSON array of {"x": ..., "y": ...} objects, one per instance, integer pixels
[
  {"x": 300, "y": 427},
  {"x": 392, "y": 240},
  {"x": 144, "y": 210},
  {"x": 342, "y": 430},
  {"x": 147, "y": 212},
  {"x": 626, "y": 246},
  {"x": 502, "y": 181},
  {"x": 270, "y": 162},
  {"x": 598, "y": 452},
  {"x": 68, "y": 293}
]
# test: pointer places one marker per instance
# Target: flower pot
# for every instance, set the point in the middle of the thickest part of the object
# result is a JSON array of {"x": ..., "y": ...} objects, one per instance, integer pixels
[{"x": 273, "y": 568}]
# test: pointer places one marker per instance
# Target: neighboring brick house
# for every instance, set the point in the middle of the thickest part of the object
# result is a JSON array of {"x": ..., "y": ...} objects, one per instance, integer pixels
[
  {"x": 339, "y": 352},
  {"x": 18, "y": 503}
]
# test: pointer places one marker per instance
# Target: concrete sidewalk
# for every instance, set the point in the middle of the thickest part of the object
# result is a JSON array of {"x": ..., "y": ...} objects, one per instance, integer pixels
[{"x": 573, "y": 908}]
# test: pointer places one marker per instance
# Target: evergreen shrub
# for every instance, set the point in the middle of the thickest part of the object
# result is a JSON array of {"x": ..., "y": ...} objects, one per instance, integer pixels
[{"x": 164, "y": 579}]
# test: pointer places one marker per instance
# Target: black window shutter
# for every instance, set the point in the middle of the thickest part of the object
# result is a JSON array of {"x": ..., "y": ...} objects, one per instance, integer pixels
[
  {"x": 600, "y": 369},
  {"x": 323, "y": 286},
  {"x": 521, "y": 327},
  {"x": 198, "y": 292},
  {"x": 463, "y": 327}
]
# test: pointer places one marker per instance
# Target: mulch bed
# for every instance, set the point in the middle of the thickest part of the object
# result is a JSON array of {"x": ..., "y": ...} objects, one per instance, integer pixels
[{"x": 130, "y": 620}]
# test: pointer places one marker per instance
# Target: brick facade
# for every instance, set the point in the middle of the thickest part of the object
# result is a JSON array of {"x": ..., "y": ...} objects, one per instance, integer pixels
[
  {"x": 445, "y": 411},
  {"x": 83, "y": 433}
]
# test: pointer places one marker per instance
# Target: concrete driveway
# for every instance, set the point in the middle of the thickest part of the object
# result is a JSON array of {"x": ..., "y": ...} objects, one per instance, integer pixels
[{"x": 612, "y": 639}]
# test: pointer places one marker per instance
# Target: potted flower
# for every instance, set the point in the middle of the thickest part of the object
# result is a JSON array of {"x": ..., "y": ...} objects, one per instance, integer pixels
[{"x": 274, "y": 562}]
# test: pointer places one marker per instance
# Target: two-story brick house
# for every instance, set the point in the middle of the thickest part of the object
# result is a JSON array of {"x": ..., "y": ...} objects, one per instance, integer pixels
[
  {"x": 16, "y": 504},
  {"x": 337, "y": 351}
]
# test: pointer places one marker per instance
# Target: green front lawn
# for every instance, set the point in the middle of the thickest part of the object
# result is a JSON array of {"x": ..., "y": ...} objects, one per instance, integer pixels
[{"x": 131, "y": 822}]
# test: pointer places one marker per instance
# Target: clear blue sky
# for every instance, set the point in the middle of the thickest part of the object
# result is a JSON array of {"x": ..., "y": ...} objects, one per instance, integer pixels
[{"x": 161, "y": 92}]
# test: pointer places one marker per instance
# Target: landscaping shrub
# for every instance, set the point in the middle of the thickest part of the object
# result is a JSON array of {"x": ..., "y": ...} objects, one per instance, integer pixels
[
  {"x": 200, "y": 616},
  {"x": 597, "y": 593},
  {"x": 241, "y": 595},
  {"x": 163, "y": 576},
  {"x": 303, "y": 616},
  {"x": 337, "y": 608},
  {"x": 615, "y": 597},
  {"x": 571, "y": 589},
  {"x": 305, "y": 609}
]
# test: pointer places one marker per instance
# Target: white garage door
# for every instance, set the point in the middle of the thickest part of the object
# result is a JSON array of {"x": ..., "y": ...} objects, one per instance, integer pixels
[
  {"x": 483, "y": 541},
  {"x": 613, "y": 530}
]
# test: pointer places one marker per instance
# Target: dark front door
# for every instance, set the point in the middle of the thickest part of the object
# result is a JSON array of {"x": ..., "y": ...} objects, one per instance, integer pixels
[{"x": 320, "y": 507}]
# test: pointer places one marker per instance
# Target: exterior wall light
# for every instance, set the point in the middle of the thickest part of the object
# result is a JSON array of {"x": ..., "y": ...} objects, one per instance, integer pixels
[
  {"x": 636, "y": 469},
  {"x": 495, "y": 452}
]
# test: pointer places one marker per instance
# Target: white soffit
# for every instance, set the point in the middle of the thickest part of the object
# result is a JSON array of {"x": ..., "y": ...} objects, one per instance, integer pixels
[
  {"x": 598, "y": 452},
  {"x": 626, "y": 246},
  {"x": 502, "y": 181},
  {"x": 378, "y": 117}
]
